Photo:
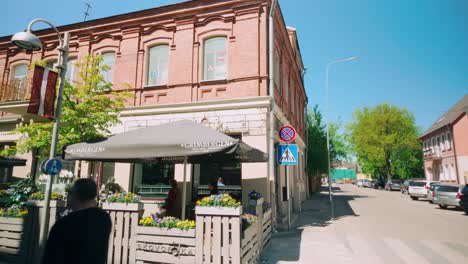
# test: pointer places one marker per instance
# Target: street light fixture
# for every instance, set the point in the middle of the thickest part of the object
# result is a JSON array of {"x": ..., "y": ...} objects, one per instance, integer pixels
[
  {"x": 27, "y": 40},
  {"x": 330, "y": 192}
]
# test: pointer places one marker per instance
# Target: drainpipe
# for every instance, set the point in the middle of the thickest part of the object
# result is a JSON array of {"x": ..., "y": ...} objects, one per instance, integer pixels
[{"x": 271, "y": 84}]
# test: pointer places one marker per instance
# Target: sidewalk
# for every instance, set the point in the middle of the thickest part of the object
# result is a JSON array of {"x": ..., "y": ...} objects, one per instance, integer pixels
[{"x": 305, "y": 240}]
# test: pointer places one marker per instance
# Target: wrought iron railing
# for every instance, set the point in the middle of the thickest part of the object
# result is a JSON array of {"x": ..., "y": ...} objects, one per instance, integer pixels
[{"x": 15, "y": 90}]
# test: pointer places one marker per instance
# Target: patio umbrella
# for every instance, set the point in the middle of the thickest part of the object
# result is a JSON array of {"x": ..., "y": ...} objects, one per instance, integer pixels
[{"x": 176, "y": 142}]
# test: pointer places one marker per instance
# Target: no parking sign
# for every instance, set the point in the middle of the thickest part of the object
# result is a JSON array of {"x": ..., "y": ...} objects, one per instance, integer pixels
[{"x": 287, "y": 133}]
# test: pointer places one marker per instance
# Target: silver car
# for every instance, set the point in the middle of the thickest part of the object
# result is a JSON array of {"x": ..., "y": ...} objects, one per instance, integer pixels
[
  {"x": 447, "y": 195},
  {"x": 431, "y": 190},
  {"x": 416, "y": 190}
]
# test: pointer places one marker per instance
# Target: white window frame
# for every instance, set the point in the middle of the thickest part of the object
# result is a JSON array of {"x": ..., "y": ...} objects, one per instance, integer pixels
[
  {"x": 71, "y": 69},
  {"x": 21, "y": 79},
  {"x": 104, "y": 74},
  {"x": 449, "y": 140},
  {"x": 148, "y": 64},
  {"x": 204, "y": 60}
]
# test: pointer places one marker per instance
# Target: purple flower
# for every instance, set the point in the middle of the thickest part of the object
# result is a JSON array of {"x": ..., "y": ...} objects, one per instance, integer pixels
[{"x": 156, "y": 219}]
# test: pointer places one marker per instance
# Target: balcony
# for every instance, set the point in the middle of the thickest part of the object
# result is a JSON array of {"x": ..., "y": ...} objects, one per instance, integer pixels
[
  {"x": 432, "y": 155},
  {"x": 14, "y": 97}
]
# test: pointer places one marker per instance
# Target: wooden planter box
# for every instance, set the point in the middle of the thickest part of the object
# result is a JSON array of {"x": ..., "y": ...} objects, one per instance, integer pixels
[
  {"x": 134, "y": 207},
  {"x": 154, "y": 244},
  {"x": 17, "y": 239},
  {"x": 53, "y": 203},
  {"x": 218, "y": 211},
  {"x": 249, "y": 244}
]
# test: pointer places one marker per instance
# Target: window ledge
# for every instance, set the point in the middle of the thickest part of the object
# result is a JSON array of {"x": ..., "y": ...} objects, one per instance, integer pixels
[
  {"x": 155, "y": 87},
  {"x": 213, "y": 82}
]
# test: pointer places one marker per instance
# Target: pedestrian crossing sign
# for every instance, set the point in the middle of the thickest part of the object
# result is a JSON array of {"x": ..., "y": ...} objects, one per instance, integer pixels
[{"x": 287, "y": 154}]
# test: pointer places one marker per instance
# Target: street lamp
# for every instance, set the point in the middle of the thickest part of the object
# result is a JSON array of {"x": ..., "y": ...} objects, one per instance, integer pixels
[
  {"x": 330, "y": 194},
  {"x": 27, "y": 40}
]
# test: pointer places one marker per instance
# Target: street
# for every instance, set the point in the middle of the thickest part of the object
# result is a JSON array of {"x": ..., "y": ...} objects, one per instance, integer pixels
[{"x": 372, "y": 226}]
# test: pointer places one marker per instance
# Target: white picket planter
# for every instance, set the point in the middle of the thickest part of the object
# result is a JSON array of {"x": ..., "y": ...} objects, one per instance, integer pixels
[
  {"x": 122, "y": 206},
  {"x": 218, "y": 211},
  {"x": 52, "y": 203}
]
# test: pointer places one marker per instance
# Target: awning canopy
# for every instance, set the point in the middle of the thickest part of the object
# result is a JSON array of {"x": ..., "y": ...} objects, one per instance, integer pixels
[
  {"x": 169, "y": 142},
  {"x": 12, "y": 161}
]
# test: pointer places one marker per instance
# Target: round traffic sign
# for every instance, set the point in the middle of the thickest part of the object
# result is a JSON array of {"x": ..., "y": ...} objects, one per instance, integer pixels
[
  {"x": 52, "y": 167},
  {"x": 287, "y": 133}
]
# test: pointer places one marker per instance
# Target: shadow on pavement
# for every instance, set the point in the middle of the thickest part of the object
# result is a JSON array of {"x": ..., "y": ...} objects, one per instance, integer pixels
[{"x": 285, "y": 246}]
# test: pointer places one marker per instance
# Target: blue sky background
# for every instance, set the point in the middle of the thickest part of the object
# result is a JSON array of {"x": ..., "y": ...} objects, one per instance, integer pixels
[{"x": 411, "y": 53}]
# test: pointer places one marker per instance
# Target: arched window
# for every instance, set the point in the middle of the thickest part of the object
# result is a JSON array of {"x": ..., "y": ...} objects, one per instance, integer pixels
[
  {"x": 108, "y": 59},
  {"x": 158, "y": 61},
  {"x": 18, "y": 78},
  {"x": 71, "y": 70},
  {"x": 215, "y": 59}
]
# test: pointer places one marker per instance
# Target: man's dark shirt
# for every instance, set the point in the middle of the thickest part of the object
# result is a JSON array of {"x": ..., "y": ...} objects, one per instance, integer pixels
[{"x": 79, "y": 238}]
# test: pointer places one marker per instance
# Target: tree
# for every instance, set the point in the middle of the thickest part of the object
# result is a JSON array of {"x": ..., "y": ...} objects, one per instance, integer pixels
[
  {"x": 317, "y": 153},
  {"x": 89, "y": 108},
  {"x": 385, "y": 140}
]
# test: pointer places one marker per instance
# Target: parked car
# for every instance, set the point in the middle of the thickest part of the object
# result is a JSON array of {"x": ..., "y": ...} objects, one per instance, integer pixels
[
  {"x": 393, "y": 185},
  {"x": 405, "y": 186},
  {"x": 360, "y": 183},
  {"x": 431, "y": 190},
  {"x": 447, "y": 195},
  {"x": 464, "y": 199},
  {"x": 367, "y": 183},
  {"x": 353, "y": 181},
  {"x": 416, "y": 190},
  {"x": 375, "y": 184}
]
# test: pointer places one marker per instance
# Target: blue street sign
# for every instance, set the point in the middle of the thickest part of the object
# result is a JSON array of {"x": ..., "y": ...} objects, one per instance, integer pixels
[
  {"x": 287, "y": 154},
  {"x": 53, "y": 167}
]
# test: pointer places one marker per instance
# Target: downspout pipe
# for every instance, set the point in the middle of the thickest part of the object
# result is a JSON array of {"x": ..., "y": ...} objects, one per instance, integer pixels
[{"x": 271, "y": 84}]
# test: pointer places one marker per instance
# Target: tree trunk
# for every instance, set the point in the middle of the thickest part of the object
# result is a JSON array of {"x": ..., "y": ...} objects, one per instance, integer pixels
[{"x": 389, "y": 169}]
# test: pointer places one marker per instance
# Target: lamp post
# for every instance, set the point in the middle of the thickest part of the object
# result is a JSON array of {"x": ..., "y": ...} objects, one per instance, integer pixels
[
  {"x": 330, "y": 193},
  {"x": 27, "y": 40}
]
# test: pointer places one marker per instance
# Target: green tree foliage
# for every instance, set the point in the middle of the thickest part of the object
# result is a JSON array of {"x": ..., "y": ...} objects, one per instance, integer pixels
[
  {"x": 317, "y": 159},
  {"x": 89, "y": 108},
  {"x": 385, "y": 140}
]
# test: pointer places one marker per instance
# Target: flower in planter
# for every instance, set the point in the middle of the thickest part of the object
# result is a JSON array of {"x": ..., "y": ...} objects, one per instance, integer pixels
[
  {"x": 253, "y": 195},
  {"x": 266, "y": 206},
  {"x": 248, "y": 220},
  {"x": 125, "y": 197},
  {"x": 13, "y": 211},
  {"x": 186, "y": 225},
  {"x": 39, "y": 196},
  {"x": 221, "y": 200}
]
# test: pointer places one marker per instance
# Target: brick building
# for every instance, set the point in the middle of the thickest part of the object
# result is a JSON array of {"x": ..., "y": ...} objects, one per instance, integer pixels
[
  {"x": 445, "y": 146},
  {"x": 204, "y": 60}
]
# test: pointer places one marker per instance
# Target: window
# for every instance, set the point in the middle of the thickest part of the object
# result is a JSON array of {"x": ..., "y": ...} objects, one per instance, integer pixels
[
  {"x": 71, "y": 70},
  {"x": 449, "y": 141},
  {"x": 158, "y": 60},
  {"x": 443, "y": 144},
  {"x": 18, "y": 78},
  {"x": 157, "y": 173},
  {"x": 108, "y": 59},
  {"x": 215, "y": 59},
  {"x": 441, "y": 172},
  {"x": 452, "y": 172},
  {"x": 52, "y": 64},
  {"x": 276, "y": 71}
]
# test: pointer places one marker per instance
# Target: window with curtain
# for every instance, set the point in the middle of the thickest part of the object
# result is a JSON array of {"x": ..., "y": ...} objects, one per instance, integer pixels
[
  {"x": 19, "y": 75},
  {"x": 215, "y": 59},
  {"x": 158, "y": 61},
  {"x": 71, "y": 70},
  {"x": 108, "y": 59}
]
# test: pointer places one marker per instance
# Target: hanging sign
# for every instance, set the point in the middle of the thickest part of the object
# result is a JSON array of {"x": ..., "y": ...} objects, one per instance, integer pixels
[{"x": 287, "y": 133}]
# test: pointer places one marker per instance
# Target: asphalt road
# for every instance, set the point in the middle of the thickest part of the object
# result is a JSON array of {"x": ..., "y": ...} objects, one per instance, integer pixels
[{"x": 372, "y": 226}]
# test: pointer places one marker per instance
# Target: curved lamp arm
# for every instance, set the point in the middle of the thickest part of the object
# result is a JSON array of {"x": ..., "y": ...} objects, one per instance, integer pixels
[{"x": 29, "y": 29}]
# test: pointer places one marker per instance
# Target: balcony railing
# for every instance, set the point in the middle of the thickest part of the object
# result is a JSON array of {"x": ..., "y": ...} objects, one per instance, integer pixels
[
  {"x": 14, "y": 91},
  {"x": 429, "y": 154}
]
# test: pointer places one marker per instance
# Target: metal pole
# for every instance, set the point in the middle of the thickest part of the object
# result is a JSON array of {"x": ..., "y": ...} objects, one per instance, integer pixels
[
  {"x": 62, "y": 65},
  {"x": 271, "y": 90},
  {"x": 184, "y": 189},
  {"x": 288, "y": 197},
  {"x": 330, "y": 192}
]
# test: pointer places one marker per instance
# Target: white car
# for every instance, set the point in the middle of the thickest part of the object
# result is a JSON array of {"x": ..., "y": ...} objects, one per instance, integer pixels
[
  {"x": 359, "y": 183},
  {"x": 416, "y": 189}
]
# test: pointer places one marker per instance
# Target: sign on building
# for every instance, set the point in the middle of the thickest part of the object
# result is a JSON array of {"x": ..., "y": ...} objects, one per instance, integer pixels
[{"x": 287, "y": 154}]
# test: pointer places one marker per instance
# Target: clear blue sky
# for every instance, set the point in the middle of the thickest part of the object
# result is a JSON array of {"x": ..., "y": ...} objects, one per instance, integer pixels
[{"x": 411, "y": 53}]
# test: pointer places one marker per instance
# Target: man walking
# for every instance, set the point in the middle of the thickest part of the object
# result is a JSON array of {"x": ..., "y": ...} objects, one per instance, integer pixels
[{"x": 82, "y": 236}]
